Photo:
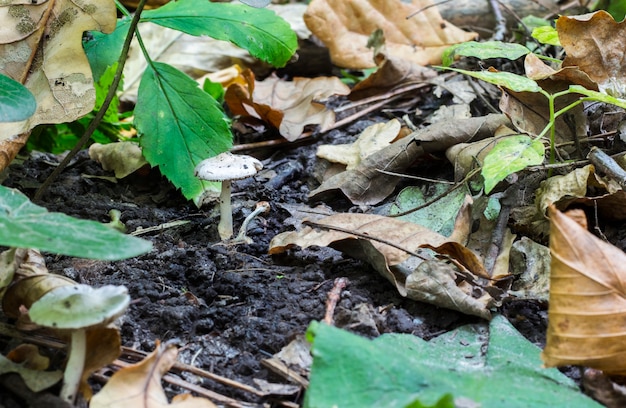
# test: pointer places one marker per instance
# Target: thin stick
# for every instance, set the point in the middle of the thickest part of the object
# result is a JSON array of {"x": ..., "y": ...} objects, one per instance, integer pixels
[
  {"x": 105, "y": 105},
  {"x": 333, "y": 298}
]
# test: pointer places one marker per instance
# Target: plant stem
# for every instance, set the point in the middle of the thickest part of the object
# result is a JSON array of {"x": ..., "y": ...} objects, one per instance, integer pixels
[
  {"x": 75, "y": 366},
  {"x": 105, "y": 105}
]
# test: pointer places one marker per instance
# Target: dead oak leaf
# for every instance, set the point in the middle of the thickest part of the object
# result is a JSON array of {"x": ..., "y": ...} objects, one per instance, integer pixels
[
  {"x": 595, "y": 43},
  {"x": 288, "y": 106},
  {"x": 344, "y": 27},
  {"x": 41, "y": 47}
]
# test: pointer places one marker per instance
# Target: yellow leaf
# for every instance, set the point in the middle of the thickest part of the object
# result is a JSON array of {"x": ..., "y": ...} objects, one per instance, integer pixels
[{"x": 587, "y": 312}]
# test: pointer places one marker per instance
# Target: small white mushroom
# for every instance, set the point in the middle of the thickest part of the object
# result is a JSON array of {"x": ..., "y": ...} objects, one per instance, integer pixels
[
  {"x": 226, "y": 167},
  {"x": 77, "y": 308}
]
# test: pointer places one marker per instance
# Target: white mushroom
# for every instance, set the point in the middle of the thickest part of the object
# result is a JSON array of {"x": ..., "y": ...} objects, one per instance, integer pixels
[
  {"x": 226, "y": 167},
  {"x": 76, "y": 308}
]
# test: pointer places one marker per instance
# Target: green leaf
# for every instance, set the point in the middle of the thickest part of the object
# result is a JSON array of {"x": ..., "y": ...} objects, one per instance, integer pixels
[
  {"x": 546, "y": 35},
  {"x": 26, "y": 225},
  {"x": 484, "y": 50},
  {"x": 618, "y": 88},
  {"x": 179, "y": 125},
  {"x": 16, "y": 101},
  {"x": 102, "y": 89},
  {"x": 260, "y": 31},
  {"x": 511, "y": 154},
  {"x": 103, "y": 50},
  {"x": 514, "y": 82},
  {"x": 478, "y": 365}
]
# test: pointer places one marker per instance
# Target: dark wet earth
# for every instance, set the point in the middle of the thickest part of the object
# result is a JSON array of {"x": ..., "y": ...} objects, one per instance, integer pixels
[{"x": 230, "y": 307}]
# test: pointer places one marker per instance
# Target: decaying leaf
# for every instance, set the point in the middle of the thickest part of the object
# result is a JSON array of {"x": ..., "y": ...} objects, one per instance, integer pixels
[
  {"x": 287, "y": 106},
  {"x": 104, "y": 345},
  {"x": 124, "y": 158},
  {"x": 139, "y": 385},
  {"x": 587, "y": 312},
  {"x": 371, "y": 140},
  {"x": 24, "y": 292},
  {"x": 36, "y": 380},
  {"x": 458, "y": 284},
  {"x": 41, "y": 47},
  {"x": 367, "y": 185},
  {"x": 344, "y": 26},
  {"x": 595, "y": 44}
]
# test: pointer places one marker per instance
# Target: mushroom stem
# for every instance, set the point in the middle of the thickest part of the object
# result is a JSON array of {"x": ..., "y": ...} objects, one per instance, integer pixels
[
  {"x": 225, "y": 227},
  {"x": 75, "y": 365}
]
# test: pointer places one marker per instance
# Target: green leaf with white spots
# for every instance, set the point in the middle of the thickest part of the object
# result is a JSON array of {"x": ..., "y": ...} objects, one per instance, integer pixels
[{"x": 511, "y": 154}]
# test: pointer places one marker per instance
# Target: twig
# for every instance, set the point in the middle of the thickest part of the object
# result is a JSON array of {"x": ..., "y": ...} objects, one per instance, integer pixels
[
  {"x": 500, "y": 28},
  {"x": 333, "y": 298},
  {"x": 103, "y": 109},
  {"x": 426, "y": 8},
  {"x": 607, "y": 165}
]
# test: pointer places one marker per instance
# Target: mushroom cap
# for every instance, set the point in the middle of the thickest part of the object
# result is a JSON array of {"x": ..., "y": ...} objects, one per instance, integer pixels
[
  {"x": 79, "y": 306},
  {"x": 227, "y": 166}
]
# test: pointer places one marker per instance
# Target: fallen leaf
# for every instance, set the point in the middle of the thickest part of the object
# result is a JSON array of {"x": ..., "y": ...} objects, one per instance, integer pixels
[
  {"x": 104, "y": 345},
  {"x": 366, "y": 185},
  {"x": 29, "y": 357},
  {"x": 41, "y": 47},
  {"x": 587, "y": 312},
  {"x": 139, "y": 385},
  {"x": 288, "y": 106},
  {"x": 344, "y": 27},
  {"x": 26, "y": 291},
  {"x": 457, "y": 285},
  {"x": 594, "y": 43},
  {"x": 371, "y": 140},
  {"x": 35, "y": 380},
  {"x": 124, "y": 158}
]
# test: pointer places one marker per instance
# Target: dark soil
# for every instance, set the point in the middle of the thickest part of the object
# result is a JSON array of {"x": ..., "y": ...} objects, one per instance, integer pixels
[{"x": 230, "y": 307}]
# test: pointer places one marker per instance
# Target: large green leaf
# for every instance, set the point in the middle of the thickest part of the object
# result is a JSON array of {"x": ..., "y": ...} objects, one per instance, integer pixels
[
  {"x": 26, "y": 225},
  {"x": 16, "y": 101},
  {"x": 478, "y": 365},
  {"x": 103, "y": 50},
  {"x": 261, "y": 32},
  {"x": 180, "y": 125}
]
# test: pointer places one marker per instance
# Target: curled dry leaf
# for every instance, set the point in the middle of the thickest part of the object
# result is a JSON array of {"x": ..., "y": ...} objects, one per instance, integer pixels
[
  {"x": 288, "y": 106},
  {"x": 458, "y": 285},
  {"x": 587, "y": 312},
  {"x": 139, "y": 385},
  {"x": 41, "y": 47},
  {"x": 595, "y": 44},
  {"x": 344, "y": 27},
  {"x": 124, "y": 158}
]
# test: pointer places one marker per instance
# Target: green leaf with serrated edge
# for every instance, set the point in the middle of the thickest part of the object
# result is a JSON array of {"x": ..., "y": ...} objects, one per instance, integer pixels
[
  {"x": 514, "y": 82},
  {"x": 485, "y": 50},
  {"x": 490, "y": 366},
  {"x": 546, "y": 35},
  {"x": 179, "y": 125},
  {"x": 511, "y": 154},
  {"x": 260, "y": 31},
  {"x": 26, "y": 225},
  {"x": 16, "y": 101},
  {"x": 604, "y": 97}
]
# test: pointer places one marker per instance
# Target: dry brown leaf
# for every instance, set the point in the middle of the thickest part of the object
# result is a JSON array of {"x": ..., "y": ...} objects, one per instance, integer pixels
[
  {"x": 447, "y": 285},
  {"x": 288, "y": 106},
  {"x": 371, "y": 140},
  {"x": 26, "y": 291},
  {"x": 595, "y": 44},
  {"x": 391, "y": 72},
  {"x": 344, "y": 27},
  {"x": 41, "y": 47},
  {"x": 104, "y": 345},
  {"x": 139, "y": 385},
  {"x": 587, "y": 312},
  {"x": 366, "y": 185},
  {"x": 29, "y": 357}
]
